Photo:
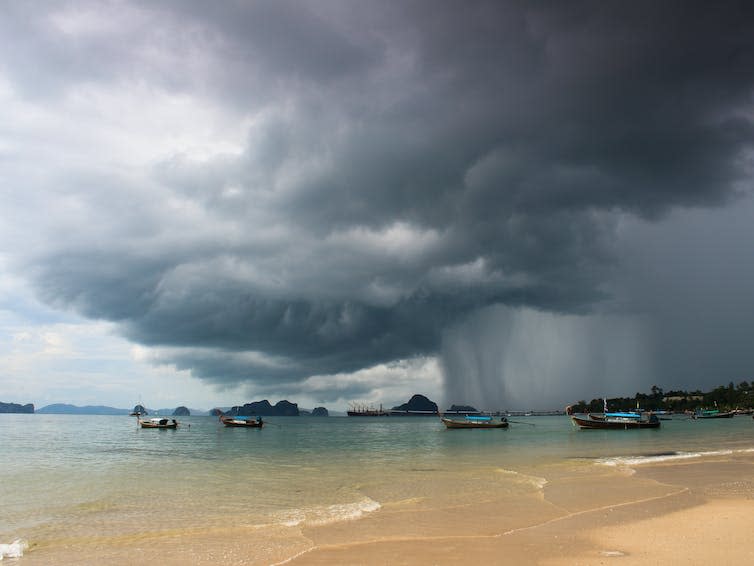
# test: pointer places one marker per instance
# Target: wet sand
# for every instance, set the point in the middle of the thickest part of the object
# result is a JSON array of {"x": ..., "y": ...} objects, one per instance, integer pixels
[{"x": 688, "y": 511}]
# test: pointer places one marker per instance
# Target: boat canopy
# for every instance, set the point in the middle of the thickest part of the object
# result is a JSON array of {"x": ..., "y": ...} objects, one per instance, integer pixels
[
  {"x": 624, "y": 415},
  {"x": 477, "y": 418}
]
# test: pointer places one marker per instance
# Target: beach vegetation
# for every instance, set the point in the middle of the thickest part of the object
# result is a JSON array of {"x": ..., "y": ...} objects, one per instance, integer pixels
[{"x": 724, "y": 397}]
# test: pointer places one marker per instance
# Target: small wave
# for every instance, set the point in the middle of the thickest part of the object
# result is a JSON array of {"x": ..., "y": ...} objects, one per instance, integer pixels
[
  {"x": 14, "y": 549},
  {"x": 535, "y": 481},
  {"x": 292, "y": 519},
  {"x": 658, "y": 457},
  {"x": 345, "y": 512},
  {"x": 612, "y": 553},
  {"x": 330, "y": 513}
]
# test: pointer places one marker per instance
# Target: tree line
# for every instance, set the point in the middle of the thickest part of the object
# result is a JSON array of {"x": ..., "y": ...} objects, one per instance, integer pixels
[{"x": 723, "y": 397}]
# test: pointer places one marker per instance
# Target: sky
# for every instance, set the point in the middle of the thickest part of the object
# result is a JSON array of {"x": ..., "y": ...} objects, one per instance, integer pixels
[{"x": 513, "y": 205}]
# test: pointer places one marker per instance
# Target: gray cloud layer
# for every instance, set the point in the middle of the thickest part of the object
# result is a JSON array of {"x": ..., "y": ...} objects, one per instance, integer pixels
[{"x": 404, "y": 166}]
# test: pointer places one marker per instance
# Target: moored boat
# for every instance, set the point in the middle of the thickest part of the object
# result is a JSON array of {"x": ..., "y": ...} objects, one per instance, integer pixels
[
  {"x": 616, "y": 422},
  {"x": 250, "y": 422},
  {"x": 158, "y": 422},
  {"x": 712, "y": 414},
  {"x": 475, "y": 421}
]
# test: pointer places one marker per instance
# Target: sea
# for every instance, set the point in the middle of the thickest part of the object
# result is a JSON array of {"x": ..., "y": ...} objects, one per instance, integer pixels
[{"x": 98, "y": 486}]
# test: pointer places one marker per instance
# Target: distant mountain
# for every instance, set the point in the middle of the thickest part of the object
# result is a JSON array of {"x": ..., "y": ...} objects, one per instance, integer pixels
[
  {"x": 263, "y": 408},
  {"x": 418, "y": 403},
  {"x": 172, "y": 411},
  {"x": 63, "y": 409},
  {"x": 16, "y": 408}
]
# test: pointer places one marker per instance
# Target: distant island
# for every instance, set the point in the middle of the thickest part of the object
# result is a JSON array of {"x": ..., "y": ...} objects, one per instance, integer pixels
[
  {"x": 65, "y": 409},
  {"x": 731, "y": 397},
  {"x": 418, "y": 405},
  {"x": 16, "y": 408},
  {"x": 264, "y": 409}
]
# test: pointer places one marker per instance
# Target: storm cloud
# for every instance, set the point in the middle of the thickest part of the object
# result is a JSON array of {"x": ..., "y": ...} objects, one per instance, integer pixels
[{"x": 269, "y": 191}]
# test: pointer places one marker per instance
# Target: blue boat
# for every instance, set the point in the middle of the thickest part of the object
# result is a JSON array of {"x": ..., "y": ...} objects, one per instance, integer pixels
[{"x": 712, "y": 414}]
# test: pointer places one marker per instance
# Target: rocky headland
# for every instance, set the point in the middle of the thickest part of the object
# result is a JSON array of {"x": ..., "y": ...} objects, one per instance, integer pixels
[
  {"x": 16, "y": 408},
  {"x": 265, "y": 409}
]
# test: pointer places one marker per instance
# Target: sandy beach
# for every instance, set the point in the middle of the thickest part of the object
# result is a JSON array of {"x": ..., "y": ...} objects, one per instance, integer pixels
[{"x": 670, "y": 513}]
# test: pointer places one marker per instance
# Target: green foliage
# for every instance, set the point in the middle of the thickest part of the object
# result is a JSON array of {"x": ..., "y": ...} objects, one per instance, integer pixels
[{"x": 722, "y": 397}]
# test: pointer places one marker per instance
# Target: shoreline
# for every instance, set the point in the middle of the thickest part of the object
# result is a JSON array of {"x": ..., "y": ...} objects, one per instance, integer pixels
[
  {"x": 704, "y": 515},
  {"x": 677, "y": 506},
  {"x": 714, "y": 530}
]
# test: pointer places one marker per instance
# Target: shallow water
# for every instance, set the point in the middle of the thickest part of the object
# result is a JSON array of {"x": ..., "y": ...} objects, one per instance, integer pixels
[{"x": 99, "y": 482}]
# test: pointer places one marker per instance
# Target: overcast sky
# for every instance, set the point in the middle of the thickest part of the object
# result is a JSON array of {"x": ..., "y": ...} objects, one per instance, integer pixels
[{"x": 505, "y": 204}]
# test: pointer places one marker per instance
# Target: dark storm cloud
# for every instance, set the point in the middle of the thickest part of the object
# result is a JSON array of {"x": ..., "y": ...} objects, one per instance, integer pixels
[{"x": 405, "y": 165}]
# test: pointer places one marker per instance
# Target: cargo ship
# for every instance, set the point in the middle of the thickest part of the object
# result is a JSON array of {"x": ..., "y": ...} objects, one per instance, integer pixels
[{"x": 363, "y": 410}]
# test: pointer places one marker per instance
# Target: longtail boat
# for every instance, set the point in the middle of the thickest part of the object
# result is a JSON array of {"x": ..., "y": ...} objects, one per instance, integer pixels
[
  {"x": 475, "y": 421},
  {"x": 712, "y": 414},
  {"x": 158, "y": 422},
  {"x": 249, "y": 422},
  {"x": 616, "y": 421}
]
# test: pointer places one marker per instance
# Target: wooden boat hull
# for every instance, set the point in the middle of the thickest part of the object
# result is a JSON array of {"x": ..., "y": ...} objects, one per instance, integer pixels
[
  {"x": 612, "y": 424},
  {"x": 168, "y": 423},
  {"x": 727, "y": 415},
  {"x": 243, "y": 423},
  {"x": 453, "y": 423}
]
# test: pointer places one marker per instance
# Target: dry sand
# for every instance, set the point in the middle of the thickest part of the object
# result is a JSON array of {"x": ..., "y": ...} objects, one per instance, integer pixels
[{"x": 717, "y": 532}]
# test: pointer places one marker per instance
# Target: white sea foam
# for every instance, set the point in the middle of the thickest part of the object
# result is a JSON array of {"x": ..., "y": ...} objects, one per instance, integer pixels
[
  {"x": 612, "y": 553},
  {"x": 293, "y": 519},
  {"x": 655, "y": 458},
  {"x": 344, "y": 512},
  {"x": 537, "y": 482},
  {"x": 329, "y": 514},
  {"x": 14, "y": 549}
]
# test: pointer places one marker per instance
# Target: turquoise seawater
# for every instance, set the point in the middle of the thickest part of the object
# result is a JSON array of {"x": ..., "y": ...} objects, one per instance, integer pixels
[{"x": 68, "y": 479}]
